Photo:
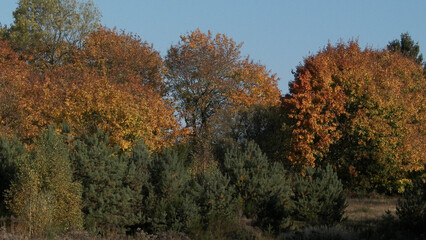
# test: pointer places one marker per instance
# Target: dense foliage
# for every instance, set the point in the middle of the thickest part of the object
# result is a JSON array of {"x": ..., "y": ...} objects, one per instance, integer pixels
[
  {"x": 262, "y": 185},
  {"x": 361, "y": 111},
  {"x": 201, "y": 141},
  {"x": 318, "y": 197},
  {"x": 43, "y": 192}
]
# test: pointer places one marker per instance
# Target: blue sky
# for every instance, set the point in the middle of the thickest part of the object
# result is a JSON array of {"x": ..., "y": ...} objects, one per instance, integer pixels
[{"x": 277, "y": 33}]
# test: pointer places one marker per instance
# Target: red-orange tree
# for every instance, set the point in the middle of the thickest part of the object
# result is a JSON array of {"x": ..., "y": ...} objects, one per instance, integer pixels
[{"x": 362, "y": 110}]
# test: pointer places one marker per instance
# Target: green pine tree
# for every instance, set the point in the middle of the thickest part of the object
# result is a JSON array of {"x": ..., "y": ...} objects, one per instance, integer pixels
[
  {"x": 318, "y": 197},
  {"x": 407, "y": 47},
  {"x": 215, "y": 197},
  {"x": 262, "y": 185},
  {"x": 171, "y": 206},
  {"x": 107, "y": 200},
  {"x": 137, "y": 180}
]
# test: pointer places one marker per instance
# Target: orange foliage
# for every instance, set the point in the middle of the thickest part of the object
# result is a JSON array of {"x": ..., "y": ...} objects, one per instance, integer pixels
[
  {"x": 13, "y": 74},
  {"x": 374, "y": 96},
  {"x": 207, "y": 74},
  {"x": 102, "y": 87},
  {"x": 123, "y": 59}
]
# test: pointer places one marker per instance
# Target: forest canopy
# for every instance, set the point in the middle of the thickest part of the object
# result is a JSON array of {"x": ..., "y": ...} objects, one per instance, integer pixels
[{"x": 94, "y": 120}]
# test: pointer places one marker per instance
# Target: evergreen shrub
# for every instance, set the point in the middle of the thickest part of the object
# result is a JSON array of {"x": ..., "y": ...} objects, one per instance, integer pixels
[
  {"x": 262, "y": 185},
  {"x": 318, "y": 197}
]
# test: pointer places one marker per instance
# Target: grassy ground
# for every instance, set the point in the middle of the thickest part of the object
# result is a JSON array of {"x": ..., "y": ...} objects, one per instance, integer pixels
[
  {"x": 368, "y": 209},
  {"x": 361, "y": 214}
]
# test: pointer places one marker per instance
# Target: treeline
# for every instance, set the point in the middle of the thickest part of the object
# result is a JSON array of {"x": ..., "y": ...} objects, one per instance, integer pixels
[
  {"x": 195, "y": 139},
  {"x": 66, "y": 182}
]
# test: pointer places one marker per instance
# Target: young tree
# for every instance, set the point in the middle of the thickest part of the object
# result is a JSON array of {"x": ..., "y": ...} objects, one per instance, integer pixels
[
  {"x": 262, "y": 185},
  {"x": 318, "y": 197},
  {"x": 215, "y": 196},
  {"x": 137, "y": 179},
  {"x": 43, "y": 193},
  {"x": 170, "y": 207},
  {"x": 107, "y": 200}
]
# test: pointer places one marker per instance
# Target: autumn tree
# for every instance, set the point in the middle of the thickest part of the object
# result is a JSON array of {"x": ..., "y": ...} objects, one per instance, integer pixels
[
  {"x": 48, "y": 30},
  {"x": 130, "y": 69},
  {"x": 89, "y": 101},
  {"x": 361, "y": 110},
  {"x": 211, "y": 82},
  {"x": 407, "y": 47},
  {"x": 13, "y": 75},
  {"x": 43, "y": 193},
  {"x": 115, "y": 87},
  {"x": 207, "y": 73},
  {"x": 124, "y": 59}
]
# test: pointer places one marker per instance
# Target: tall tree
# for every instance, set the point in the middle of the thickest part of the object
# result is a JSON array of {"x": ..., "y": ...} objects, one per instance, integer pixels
[
  {"x": 48, "y": 30},
  {"x": 207, "y": 74},
  {"x": 407, "y": 47},
  {"x": 211, "y": 82}
]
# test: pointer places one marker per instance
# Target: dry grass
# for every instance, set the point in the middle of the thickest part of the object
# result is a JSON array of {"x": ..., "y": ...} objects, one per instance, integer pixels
[{"x": 368, "y": 209}]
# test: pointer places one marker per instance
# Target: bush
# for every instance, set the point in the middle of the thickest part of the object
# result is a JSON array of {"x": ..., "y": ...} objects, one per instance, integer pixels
[
  {"x": 261, "y": 185},
  {"x": 411, "y": 210},
  {"x": 318, "y": 197}
]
